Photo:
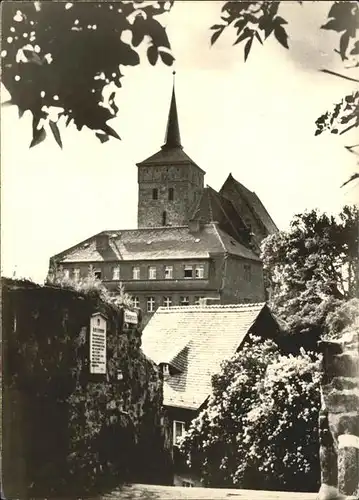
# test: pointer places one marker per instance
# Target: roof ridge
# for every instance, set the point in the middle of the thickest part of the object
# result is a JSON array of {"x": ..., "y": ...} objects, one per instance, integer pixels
[{"x": 211, "y": 306}]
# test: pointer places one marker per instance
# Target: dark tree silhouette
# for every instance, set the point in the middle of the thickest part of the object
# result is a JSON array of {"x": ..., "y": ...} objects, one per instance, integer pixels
[
  {"x": 257, "y": 21},
  {"x": 62, "y": 55}
]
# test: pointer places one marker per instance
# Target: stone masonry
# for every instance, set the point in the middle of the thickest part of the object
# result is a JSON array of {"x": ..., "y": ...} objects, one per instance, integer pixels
[{"x": 339, "y": 418}]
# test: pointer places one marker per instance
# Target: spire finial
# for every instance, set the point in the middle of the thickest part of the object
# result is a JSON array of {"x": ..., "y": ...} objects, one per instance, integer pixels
[{"x": 173, "y": 138}]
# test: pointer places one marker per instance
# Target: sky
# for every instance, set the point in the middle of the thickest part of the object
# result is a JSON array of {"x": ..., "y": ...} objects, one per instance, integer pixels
[{"x": 254, "y": 120}]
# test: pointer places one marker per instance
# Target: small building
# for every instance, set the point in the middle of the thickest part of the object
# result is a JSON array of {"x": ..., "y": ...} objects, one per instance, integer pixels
[{"x": 190, "y": 343}]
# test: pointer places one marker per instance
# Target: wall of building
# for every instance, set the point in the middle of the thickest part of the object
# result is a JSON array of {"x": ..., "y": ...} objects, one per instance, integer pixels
[
  {"x": 187, "y": 183},
  {"x": 238, "y": 286}
]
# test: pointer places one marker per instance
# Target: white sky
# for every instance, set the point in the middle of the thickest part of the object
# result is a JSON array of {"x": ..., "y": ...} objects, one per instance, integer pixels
[{"x": 253, "y": 119}]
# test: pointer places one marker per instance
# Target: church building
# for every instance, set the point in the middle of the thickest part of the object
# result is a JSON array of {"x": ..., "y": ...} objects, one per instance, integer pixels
[{"x": 191, "y": 242}]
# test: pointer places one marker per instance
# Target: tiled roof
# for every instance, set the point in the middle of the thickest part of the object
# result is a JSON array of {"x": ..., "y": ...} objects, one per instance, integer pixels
[
  {"x": 201, "y": 337},
  {"x": 173, "y": 156},
  {"x": 254, "y": 203},
  {"x": 213, "y": 207},
  {"x": 155, "y": 243}
]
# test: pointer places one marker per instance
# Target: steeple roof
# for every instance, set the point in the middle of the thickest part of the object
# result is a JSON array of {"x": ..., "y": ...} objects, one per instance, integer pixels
[
  {"x": 172, "y": 150},
  {"x": 173, "y": 137}
]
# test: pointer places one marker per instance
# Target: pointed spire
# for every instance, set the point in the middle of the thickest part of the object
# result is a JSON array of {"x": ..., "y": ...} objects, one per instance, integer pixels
[{"x": 173, "y": 138}]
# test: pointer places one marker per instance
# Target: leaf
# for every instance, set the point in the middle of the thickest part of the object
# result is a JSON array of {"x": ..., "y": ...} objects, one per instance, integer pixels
[
  {"x": 355, "y": 49},
  {"x": 247, "y": 48},
  {"x": 56, "y": 133},
  {"x": 103, "y": 137},
  {"x": 333, "y": 24},
  {"x": 6, "y": 104},
  {"x": 38, "y": 135},
  {"x": 281, "y": 36},
  {"x": 338, "y": 74},
  {"x": 109, "y": 131},
  {"x": 352, "y": 178},
  {"x": 216, "y": 34},
  {"x": 258, "y": 37},
  {"x": 343, "y": 45},
  {"x": 167, "y": 58},
  {"x": 246, "y": 34},
  {"x": 279, "y": 20},
  {"x": 152, "y": 54},
  {"x": 240, "y": 24}
]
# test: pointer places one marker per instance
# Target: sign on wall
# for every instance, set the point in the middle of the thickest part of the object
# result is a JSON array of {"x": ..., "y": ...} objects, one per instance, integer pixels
[
  {"x": 131, "y": 317},
  {"x": 98, "y": 344}
]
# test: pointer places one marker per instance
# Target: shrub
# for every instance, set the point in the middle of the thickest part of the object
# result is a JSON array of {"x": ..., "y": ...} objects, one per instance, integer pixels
[{"x": 259, "y": 428}]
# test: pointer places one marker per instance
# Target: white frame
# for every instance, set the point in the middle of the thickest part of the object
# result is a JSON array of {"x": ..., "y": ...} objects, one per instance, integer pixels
[
  {"x": 136, "y": 272},
  {"x": 187, "y": 268},
  {"x": 151, "y": 302},
  {"x": 167, "y": 301},
  {"x": 152, "y": 272},
  {"x": 174, "y": 430},
  {"x": 170, "y": 272},
  {"x": 200, "y": 271},
  {"x": 116, "y": 273},
  {"x": 181, "y": 301},
  {"x": 135, "y": 301}
]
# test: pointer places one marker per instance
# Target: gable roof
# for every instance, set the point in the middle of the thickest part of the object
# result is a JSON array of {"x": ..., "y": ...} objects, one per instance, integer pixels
[
  {"x": 156, "y": 243},
  {"x": 213, "y": 207},
  {"x": 196, "y": 340},
  {"x": 253, "y": 202}
]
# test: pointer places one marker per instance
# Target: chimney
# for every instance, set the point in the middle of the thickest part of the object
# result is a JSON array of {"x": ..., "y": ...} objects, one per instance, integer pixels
[
  {"x": 102, "y": 242},
  {"x": 194, "y": 225}
]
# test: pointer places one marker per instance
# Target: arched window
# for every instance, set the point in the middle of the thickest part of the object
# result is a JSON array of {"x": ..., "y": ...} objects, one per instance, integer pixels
[
  {"x": 170, "y": 194},
  {"x": 155, "y": 194},
  {"x": 164, "y": 218}
]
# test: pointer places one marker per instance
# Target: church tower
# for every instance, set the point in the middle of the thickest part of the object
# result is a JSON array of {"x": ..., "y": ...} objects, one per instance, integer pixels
[{"x": 169, "y": 182}]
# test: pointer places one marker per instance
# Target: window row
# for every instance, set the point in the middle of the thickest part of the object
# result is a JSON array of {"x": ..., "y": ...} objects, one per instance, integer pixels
[
  {"x": 188, "y": 272},
  {"x": 170, "y": 194},
  {"x": 152, "y": 303}
]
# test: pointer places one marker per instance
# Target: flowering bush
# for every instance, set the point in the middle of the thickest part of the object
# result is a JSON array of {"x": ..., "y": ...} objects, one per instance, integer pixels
[{"x": 259, "y": 428}]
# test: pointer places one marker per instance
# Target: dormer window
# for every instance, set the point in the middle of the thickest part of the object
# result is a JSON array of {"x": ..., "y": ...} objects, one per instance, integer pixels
[
  {"x": 166, "y": 369},
  {"x": 155, "y": 194}
]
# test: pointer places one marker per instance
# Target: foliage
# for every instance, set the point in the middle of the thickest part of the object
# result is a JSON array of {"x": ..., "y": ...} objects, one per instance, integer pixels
[
  {"x": 103, "y": 423},
  {"x": 312, "y": 267},
  {"x": 58, "y": 58},
  {"x": 259, "y": 20},
  {"x": 259, "y": 428},
  {"x": 89, "y": 285},
  {"x": 342, "y": 318}
]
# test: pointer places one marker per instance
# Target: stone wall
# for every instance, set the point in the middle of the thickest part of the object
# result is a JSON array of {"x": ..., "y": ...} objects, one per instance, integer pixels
[
  {"x": 68, "y": 431},
  {"x": 339, "y": 418}
]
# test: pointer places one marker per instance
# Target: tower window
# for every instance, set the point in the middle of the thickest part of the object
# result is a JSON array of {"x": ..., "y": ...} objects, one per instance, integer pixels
[
  {"x": 155, "y": 194},
  {"x": 171, "y": 194},
  {"x": 164, "y": 218}
]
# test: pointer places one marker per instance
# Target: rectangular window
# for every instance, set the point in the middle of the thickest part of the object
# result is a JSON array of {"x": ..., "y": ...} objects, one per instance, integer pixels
[
  {"x": 170, "y": 194},
  {"x": 168, "y": 272},
  {"x": 155, "y": 194},
  {"x": 67, "y": 273},
  {"x": 150, "y": 304},
  {"x": 135, "y": 301},
  {"x": 76, "y": 272},
  {"x": 136, "y": 273},
  {"x": 179, "y": 429},
  {"x": 151, "y": 273},
  {"x": 98, "y": 274},
  {"x": 188, "y": 272},
  {"x": 167, "y": 301},
  {"x": 116, "y": 273},
  {"x": 165, "y": 369},
  {"x": 199, "y": 301},
  {"x": 199, "y": 272},
  {"x": 184, "y": 301},
  {"x": 247, "y": 272}
]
